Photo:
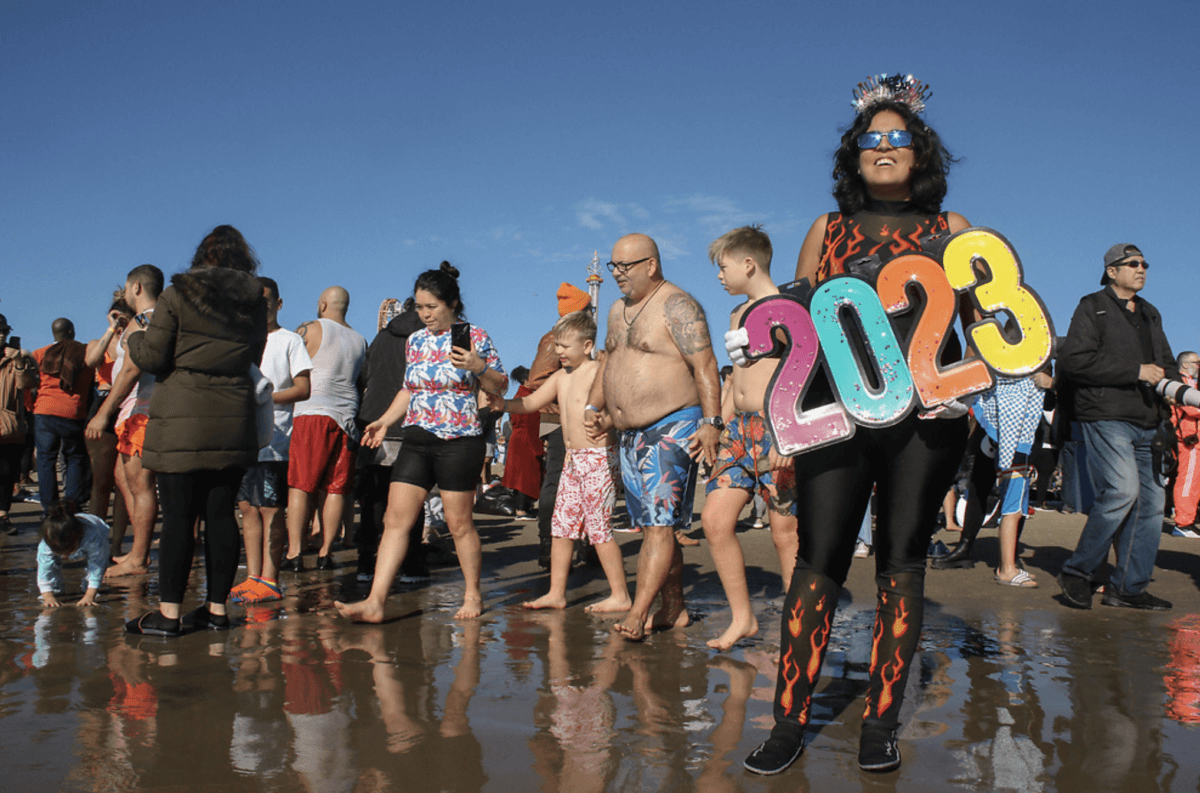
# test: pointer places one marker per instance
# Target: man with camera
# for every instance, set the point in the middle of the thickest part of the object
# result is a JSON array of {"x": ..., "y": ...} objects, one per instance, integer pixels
[
  {"x": 1187, "y": 478},
  {"x": 1115, "y": 355}
]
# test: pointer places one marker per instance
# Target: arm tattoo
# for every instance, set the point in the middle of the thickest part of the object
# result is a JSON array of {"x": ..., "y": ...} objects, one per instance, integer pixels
[
  {"x": 688, "y": 325},
  {"x": 303, "y": 330}
]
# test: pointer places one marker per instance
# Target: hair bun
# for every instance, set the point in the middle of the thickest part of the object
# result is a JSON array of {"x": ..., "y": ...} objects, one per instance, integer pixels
[{"x": 449, "y": 269}]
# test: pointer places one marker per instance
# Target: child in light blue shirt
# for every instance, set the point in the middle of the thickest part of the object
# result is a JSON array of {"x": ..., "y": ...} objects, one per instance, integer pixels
[{"x": 66, "y": 536}]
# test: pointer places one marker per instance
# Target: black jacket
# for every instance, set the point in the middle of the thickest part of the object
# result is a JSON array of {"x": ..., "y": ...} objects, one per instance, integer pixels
[
  {"x": 207, "y": 328},
  {"x": 1101, "y": 359},
  {"x": 384, "y": 369}
]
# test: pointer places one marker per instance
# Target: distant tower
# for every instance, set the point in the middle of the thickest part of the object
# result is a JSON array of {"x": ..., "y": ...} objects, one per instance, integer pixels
[{"x": 594, "y": 280}]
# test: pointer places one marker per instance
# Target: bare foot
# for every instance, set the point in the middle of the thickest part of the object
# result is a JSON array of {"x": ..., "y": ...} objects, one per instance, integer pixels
[
  {"x": 736, "y": 631},
  {"x": 362, "y": 611},
  {"x": 124, "y": 568},
  {"x": 122, "y": 557},
  {"x": 472, "y": 607},
  {"x": 610, "y": 605},
  {"x": 632, "y": 629},
  {"x": 683, "y": 539},
  {"x": 546, "y": 602}
]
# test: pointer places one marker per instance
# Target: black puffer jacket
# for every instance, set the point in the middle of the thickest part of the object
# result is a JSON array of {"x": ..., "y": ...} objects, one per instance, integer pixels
[
  {"x": 1101, "y": 359},
  {"x": 384, "y": 369},
  {"x": 207, "y": 328}
]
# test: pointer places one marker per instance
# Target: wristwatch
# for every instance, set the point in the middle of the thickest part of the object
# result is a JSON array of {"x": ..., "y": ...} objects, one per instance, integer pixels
[{"x": 715, "y": 421}]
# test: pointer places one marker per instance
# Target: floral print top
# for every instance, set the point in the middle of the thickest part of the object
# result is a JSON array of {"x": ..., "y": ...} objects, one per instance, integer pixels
[{"x": 442, "y": 396}]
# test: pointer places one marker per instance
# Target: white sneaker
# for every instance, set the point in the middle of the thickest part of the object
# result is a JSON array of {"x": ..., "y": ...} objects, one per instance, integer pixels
[
  {"x": 1185, "y": 531},
  {"x": 861, "y": 550}
]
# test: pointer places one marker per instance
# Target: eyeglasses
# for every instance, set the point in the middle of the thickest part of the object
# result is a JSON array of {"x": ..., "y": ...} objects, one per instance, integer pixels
[
  {"x": 620, "y": 268},
  {"x": 898, "y": 138},
  {"x": 1133, "y": 264}
]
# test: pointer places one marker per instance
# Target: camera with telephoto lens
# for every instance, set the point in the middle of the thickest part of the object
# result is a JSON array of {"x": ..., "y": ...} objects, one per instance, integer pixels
[{"x": 1179, "y": 393}]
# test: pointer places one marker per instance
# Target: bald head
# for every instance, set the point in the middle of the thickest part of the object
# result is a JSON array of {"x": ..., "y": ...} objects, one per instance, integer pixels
[
  {"x": 333, "y": 303},
  {"x": 637, "y": 246},
  {"x": 63, "y": 329}
]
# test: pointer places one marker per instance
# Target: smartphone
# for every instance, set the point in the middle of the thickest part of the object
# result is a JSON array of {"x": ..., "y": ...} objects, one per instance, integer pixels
[
  {"x": 14, "y": 342},
  {"x": 460, "y": 335}
]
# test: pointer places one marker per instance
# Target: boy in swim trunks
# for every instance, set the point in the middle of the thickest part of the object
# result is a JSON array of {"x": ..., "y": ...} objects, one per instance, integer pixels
[
  {"x": 586, "y": 493},
  {"x": 747, "y": 462}
]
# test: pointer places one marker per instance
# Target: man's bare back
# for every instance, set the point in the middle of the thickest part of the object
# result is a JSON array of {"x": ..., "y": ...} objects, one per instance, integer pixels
[{"x": 646, "y": 376}]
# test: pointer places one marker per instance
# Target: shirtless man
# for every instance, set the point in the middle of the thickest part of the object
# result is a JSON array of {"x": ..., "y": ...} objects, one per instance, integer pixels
[
  {"x": 324, "y": 437},
  {"x": 659, "y": 386},
  {"x": 128, "y": 403}
]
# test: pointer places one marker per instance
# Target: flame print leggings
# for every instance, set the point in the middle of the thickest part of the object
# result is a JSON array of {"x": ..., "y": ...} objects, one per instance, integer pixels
[{"x": 911, "y": 466}]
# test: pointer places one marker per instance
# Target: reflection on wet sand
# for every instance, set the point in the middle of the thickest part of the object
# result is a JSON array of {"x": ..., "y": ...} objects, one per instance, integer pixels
[{"x": 1013, "y": 692}]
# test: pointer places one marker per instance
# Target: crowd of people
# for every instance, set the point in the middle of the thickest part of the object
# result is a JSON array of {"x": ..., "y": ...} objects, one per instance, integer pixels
[{"x": 197, "y": 406}]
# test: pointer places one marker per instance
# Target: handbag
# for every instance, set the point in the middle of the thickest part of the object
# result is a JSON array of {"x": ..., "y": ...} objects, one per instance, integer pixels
[{"x": 264, "y": 403}]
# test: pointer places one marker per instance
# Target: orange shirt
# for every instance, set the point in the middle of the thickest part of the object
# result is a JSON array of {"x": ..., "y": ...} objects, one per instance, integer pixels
[{"x": 52, "y": 400}]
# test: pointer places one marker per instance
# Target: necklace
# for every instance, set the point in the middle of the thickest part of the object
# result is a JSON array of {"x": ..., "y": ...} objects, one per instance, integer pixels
[{"x": 629, "y": 322}]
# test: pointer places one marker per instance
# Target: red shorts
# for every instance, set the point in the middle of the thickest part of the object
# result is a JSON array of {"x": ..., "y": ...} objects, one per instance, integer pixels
[
  {"x": 321, "y": 456},
  {"x": 131, "y": 435}
]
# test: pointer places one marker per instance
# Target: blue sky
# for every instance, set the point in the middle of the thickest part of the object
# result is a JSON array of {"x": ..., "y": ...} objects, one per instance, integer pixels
[{"x": 360, "y": 143}]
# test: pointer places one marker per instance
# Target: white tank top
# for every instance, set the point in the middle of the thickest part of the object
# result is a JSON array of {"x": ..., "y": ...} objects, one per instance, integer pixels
[{"x": 335, "y": 371}]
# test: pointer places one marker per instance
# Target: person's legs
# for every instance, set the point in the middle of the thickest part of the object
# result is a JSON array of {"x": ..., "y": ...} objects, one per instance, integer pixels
[
  {"x": 103, "y": 457},
  {"x": 659, "y": 570},
  {"x": 561, "y": 549},
  {"x": 1113, "y": 470},
  {"x": 719, "y": 520},
  {"x": 612, "y": 562},
  {"x": 47, "y": 441},
  {"x": 1187, "y": 485},
  {"x": 1137, "y": 542},
  {"x": 458, "y": 506},
  {"x": 555, "y": 457},
  {"x": 143, "y": 495},
  {"x": 218, "y": 490},
  {"x": 405, "y": 502},
  {"x": 181, "y": 506},
  {"x": 74, "y": 450},
  {"x": 299, "y": 515}
]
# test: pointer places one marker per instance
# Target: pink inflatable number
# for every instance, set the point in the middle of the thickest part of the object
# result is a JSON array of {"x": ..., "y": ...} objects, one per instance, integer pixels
[{"x": 793, "y": 429}]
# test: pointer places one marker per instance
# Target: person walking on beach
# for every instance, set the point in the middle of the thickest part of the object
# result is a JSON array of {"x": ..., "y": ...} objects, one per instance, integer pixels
[
  {"x": 1115, "y": 353},
  {"x": 586, "y": 494},
  {"x": 747, "y": 462},
  {"x": 60, "y": 413},
  {"x": 324, "y": 436},
  {"x": 660, "y": 387}
]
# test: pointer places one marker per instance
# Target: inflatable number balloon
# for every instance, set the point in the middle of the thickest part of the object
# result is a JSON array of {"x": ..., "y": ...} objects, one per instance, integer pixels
[
  {"x": 869, "y": 406},
  {"x": 793, "y": 430},
  {"x": 935, "y": 385},
  {"x": 1004, "y": 291}
]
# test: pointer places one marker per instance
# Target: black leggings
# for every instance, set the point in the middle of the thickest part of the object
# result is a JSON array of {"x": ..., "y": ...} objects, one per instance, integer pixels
[
  {"x": 911, "y": 466},
  {"x": 10, "y": 472},
  {"x": 185, "y": 497}
]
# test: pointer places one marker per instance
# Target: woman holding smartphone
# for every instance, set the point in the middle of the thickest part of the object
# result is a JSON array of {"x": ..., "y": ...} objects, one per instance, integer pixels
[{"x": 449, "y": 361}]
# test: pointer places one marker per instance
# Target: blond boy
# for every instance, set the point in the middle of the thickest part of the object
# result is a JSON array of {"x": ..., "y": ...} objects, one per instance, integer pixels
[
  {"x": 747, "y": 460},
  {"x": 586, "y": 492}
]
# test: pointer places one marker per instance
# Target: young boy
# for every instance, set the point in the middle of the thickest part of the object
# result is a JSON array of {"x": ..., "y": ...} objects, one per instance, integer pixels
[
  {"x": 586, "y": 494},
  {"x": 66, "y": 535},
  {"x": 263, "y": 494},
  {"x": 746, "y": 460}
]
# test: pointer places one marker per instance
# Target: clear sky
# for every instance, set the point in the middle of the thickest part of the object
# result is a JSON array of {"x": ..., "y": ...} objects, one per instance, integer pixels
[{"x": 361, "y": 143}]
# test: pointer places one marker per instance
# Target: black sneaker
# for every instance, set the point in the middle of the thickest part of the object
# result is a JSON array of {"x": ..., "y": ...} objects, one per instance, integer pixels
[
  {"x": 292, "y": 565},
  {"x": 877, "y": 749},
  {"x": 153, "y": 623},
  {"x": 776, "y": 753},
  {"x": 7, "y": 526},
  {"x": 1076, "y": 591},
  {"x": 1142, "y": 600},
  {"x": 326, "y": 562}
]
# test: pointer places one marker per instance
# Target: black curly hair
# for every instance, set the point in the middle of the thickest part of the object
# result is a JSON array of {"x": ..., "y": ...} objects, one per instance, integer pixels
[{"x": 928, "y": 187}]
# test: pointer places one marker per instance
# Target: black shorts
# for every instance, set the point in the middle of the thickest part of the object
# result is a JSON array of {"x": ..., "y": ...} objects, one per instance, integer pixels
[{"x": 425, "y": 460}]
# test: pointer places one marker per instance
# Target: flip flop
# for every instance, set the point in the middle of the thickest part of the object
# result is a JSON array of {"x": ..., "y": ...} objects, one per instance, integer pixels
[{"x": 1022, "y": 579}]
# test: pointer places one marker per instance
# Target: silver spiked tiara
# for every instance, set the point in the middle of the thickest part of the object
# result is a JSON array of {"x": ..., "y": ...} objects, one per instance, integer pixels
[{"x": 902, "y": 88}]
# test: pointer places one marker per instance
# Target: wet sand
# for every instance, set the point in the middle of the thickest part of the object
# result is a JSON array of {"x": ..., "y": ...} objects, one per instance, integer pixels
[{"x": 1014, "y": 691}]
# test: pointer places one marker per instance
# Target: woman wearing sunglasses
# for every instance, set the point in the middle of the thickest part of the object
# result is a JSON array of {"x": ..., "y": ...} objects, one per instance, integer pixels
[{"x": 890, "y": 179}]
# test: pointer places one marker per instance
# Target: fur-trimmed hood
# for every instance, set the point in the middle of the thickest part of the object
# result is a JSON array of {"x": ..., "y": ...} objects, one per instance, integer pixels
[{"x": 220, "y": 292}]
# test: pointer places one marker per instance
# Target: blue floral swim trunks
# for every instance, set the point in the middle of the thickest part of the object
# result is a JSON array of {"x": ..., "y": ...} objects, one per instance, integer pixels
[{"x": 658, "y": 473}]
